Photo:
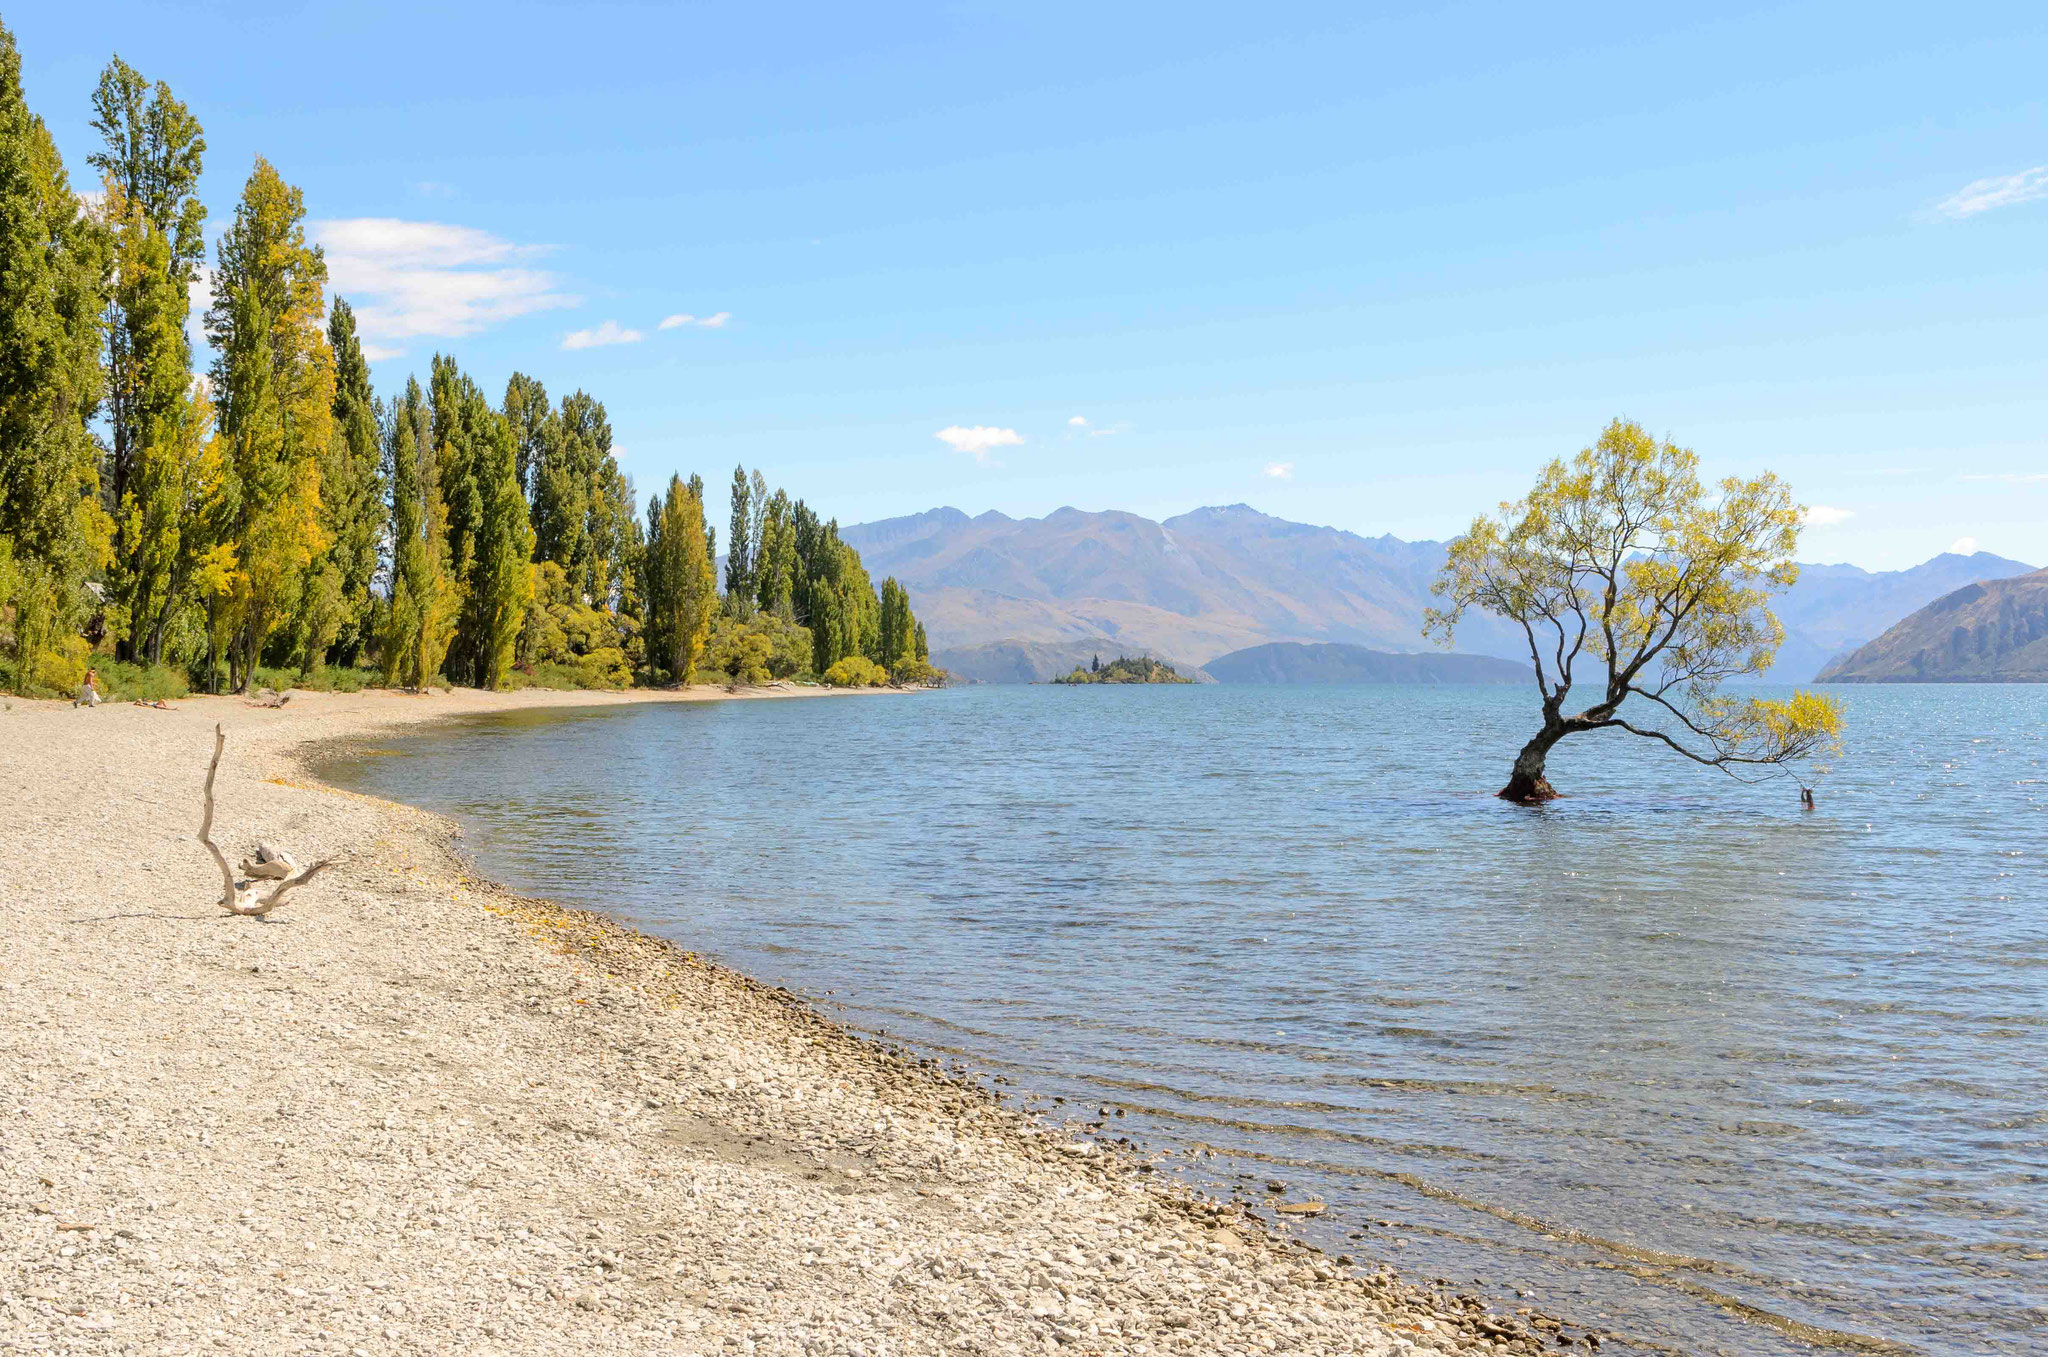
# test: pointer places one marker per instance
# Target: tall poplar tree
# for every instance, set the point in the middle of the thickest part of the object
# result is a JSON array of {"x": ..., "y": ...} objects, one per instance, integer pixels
[
  {"x": 526, "y": 406},
  {"x": 490, "y": 539},
  {"x": 179, "y": 507},
  {"x": 739, "y": 550},
  {"x": 582, "y": 507},
  {"x": 53, "y": 262},
  {"x": 681, "y": 588},
  {"x": 896, "y": 629},
  {"x": 420, "y": 621},
  {"x": 168, "y": 515},
  {"x": 274, "y": 382},
  {"x": 775, "y": 584},
  {"x": 351, "y": 497},
  {"x": 150, "y": 160}
]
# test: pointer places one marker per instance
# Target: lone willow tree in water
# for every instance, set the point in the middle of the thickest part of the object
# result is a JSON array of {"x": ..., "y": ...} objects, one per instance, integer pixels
[{"x": 1620, "y": 561}]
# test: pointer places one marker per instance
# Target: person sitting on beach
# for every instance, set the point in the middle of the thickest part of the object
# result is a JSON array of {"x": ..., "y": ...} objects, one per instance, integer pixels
[{"x": 88, "y": 690}]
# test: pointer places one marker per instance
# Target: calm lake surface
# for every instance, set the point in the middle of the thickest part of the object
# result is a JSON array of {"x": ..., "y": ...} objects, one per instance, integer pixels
[{"x": 1653, "y": 1054}]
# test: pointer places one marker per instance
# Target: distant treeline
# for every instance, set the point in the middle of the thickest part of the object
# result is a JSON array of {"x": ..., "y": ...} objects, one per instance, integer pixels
[{"x": 275, "y": 517}]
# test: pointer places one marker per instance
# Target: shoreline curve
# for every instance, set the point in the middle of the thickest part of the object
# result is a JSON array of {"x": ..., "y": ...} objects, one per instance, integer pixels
[{"x": 420, "y": 1113}]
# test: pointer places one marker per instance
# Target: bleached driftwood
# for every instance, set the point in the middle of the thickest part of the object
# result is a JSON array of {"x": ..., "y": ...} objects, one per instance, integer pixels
[{"x": 269, "y": 865}]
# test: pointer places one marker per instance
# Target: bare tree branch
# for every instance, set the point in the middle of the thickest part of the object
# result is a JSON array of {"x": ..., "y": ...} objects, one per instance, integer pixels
[{"x": 241, "y": 897}]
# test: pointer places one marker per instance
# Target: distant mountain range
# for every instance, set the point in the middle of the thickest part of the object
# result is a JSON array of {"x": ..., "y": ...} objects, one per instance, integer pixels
[
  {"x": 1038, "y": 595},
  {"x": 1836, "y": 608},
  {"x": 1194, "y": 587},
  {"x": 1335, "y": 662},
  {"x": 1993, "y": 631}
]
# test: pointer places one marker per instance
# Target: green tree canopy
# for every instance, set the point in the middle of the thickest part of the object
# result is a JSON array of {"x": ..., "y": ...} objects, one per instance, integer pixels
[
  {"x": 53, "y": 279},
  {"x": 1621, "y": 561}
]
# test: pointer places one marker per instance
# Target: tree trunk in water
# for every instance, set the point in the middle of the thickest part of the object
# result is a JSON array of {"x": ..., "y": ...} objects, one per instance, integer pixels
[{"x": 1526, "y": 784}]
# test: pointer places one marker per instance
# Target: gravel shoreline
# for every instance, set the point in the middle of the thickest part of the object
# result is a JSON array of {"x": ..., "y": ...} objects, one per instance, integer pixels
[{"x": 416, "y": 1113}]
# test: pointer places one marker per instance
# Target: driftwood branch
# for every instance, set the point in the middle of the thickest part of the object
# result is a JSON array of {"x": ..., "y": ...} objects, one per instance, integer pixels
[{"x": 270, "y": 866}]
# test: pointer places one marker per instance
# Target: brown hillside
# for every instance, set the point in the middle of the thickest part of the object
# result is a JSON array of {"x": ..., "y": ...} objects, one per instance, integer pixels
[{"x": 1993, "y": 631}]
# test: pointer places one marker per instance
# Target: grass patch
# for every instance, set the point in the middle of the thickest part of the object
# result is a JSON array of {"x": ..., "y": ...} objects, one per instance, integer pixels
[
  {"x": 333, "y": 678},
  {"x": 123, "y": 682},
  {"x": 566, "y": 677}
]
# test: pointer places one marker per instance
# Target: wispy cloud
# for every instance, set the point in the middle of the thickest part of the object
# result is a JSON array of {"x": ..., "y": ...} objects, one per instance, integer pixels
[
  {"x": 1078, "y": 422},
  {"x": 1826, "y": 515},
  {"x": 978, "y": 440},
  {"x": 2000, "y": 190},
  {"x": 434, "y": 188},
  {"x": 1964, "y": 546},
  {"x": 682, "y": 318},
  {"x": 1280, "y": 471},
  {"x": 597, "y": 337},
  {"x": 2012, "y": 477},
  {"x": 199, "y": 296},
  {"x": 409, "y": 279},
  {"x": 377, "y": 353}
]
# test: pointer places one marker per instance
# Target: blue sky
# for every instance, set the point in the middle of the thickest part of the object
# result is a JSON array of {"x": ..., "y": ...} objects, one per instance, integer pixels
[{"x": 1366, "y": 266}]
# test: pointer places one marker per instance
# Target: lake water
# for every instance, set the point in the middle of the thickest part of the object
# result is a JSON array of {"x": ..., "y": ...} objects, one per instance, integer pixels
[{"x": 1669, "y": 1057}]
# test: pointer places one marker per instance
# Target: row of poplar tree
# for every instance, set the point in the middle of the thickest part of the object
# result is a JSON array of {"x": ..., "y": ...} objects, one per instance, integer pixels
[{"x": 276, "y": 513}]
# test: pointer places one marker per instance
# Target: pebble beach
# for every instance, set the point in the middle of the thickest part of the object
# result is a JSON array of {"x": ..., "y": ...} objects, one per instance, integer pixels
[{"x": 415, "y": 1113}]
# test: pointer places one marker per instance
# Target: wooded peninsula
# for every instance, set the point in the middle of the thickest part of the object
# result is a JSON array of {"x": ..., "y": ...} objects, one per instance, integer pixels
[{"x": 273, "y": 521}]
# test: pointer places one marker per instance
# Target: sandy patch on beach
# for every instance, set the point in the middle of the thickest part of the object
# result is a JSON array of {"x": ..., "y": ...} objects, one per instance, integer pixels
[{"x": 415, "y": 1114}]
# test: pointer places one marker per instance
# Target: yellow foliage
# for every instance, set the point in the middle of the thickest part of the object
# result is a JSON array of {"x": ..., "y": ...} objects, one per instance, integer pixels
[
  {"x": 61, "y": 664},
  {"x": 856, "y": 671},
  {"x": 1621, "y": 558},
  {"x": 1622, "y": 555}
]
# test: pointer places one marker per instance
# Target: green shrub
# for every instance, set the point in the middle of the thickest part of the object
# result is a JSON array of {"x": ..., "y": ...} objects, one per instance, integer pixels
[
  {"x": 757, "y": 650},
  {"x": 124, "y": 682},
  {"x": 602, "y": 670},
  {"x": 60, "y": 667},
  {"x": 856, "y": 671},
  {"x": 332, "y": 678},
  {"x": 915, "y": 671}
]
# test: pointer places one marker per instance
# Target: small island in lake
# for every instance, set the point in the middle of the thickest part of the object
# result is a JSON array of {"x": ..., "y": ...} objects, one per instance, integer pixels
[{"x": 1124, "y": 669}]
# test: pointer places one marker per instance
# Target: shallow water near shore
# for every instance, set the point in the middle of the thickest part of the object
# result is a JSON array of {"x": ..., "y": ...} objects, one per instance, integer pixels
[{"x": 1669, "y": 1057}]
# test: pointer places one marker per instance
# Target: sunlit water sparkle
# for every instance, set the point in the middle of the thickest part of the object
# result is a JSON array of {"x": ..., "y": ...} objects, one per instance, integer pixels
[{"x": 1668, "y": 1041}]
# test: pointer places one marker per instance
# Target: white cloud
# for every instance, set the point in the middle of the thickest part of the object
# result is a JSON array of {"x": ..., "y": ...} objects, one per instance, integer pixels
[
  {"x": 1280, "y": 471},
  {"x": 716, "y": 322},
  {"x": 978, "y": 440},
  {"x": 683, "y": 318},
  {"x": 377, "y": 353},
  {"x": 408, "y": 279},
  {"x": 199, "y": 292},
  {"x": 671, "y": 322},
  {"x": 1078, "y": 422},
  {"x": 2012, "y": 477},
  {"x": 1964, "y": 546},
  {"x": 1826, "y": 516},
  {"x": 611, "y": 332},
  {"x": 2000, "y": 190}
]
